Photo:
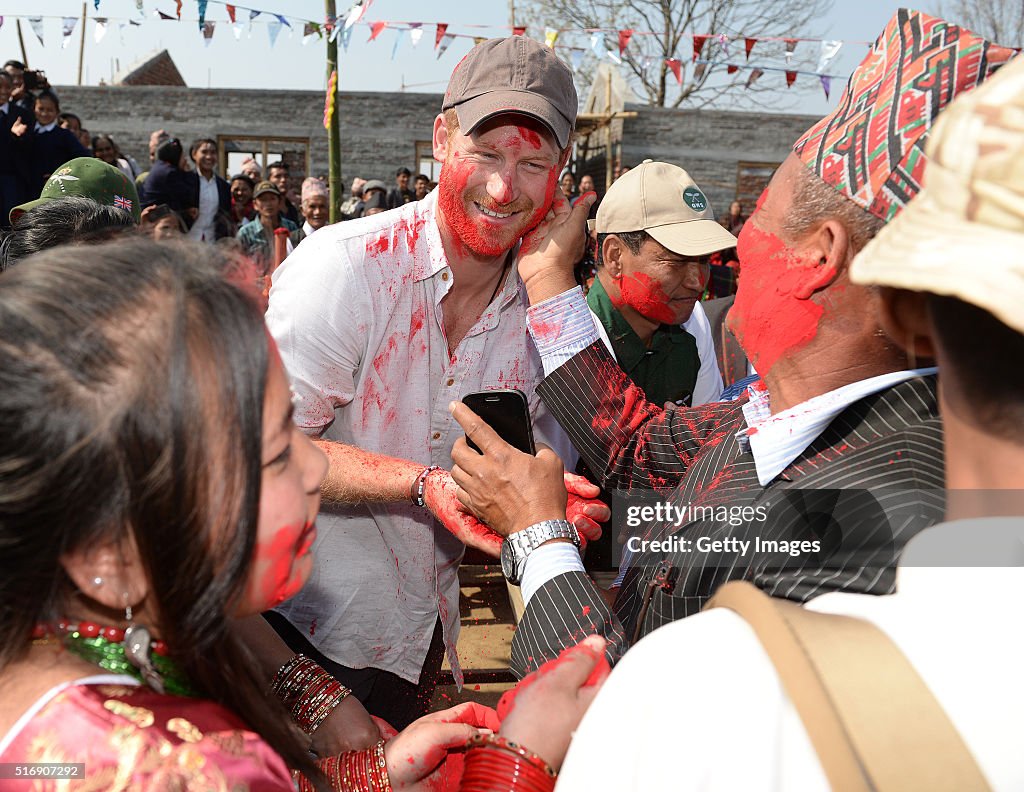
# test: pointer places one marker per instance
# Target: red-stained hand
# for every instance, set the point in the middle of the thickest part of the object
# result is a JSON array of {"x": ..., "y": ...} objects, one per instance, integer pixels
[
  {"x": 544, "y": 709},
  {"x": 550, "y": 251},
  {"x": 505, "y": 488},
  {"x": 440, "y": 494},
  {"x": 584, "y": 510},
  {"x": 417, "y": 757}
]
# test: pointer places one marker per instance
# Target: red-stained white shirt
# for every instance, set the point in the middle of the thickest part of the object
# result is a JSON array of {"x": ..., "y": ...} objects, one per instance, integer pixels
[{"x": 356, "y": 312}]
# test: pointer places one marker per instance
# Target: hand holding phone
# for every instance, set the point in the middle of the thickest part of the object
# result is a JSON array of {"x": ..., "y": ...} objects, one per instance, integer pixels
[{"x": 507, "y": 413}]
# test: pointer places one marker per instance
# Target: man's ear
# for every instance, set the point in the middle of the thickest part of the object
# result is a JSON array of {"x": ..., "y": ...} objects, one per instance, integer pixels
[
  {"x": 829, "y": 244},
  {"x": 109, "y": 573},
  {"x": 611, "y": 255},
  {"x": 440, "y": 138},
  {"x": 906, "y": 319}
]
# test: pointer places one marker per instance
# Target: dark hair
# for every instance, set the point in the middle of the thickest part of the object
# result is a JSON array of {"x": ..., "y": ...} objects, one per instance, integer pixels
[
  {"x": 97, "y": 138},
  {"x": 47, "y": 94},
  {"x": 985, "y": 363},
  {"x": 377, "y": 201},
  {"x": 403, "y": 172},
  {"x": 422, "y": 177},
  {"x": 197, "y": 143},
  {"x": 634, "y": 240},
  {"x": 136, "y": 411},
  {"x": 74, "y": 219},
  {"x": 14, "y": 64},
  {"x": 69, "y": 117},
  {"x": 279, "y": 165},
  {"x": 5, "y": 76},
  {"x": 170, "y": 151},
  {"x": 243, "y": 177}
]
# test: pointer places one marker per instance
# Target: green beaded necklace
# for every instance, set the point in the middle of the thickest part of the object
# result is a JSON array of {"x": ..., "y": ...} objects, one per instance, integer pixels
[{"x": 110, "y": 656}]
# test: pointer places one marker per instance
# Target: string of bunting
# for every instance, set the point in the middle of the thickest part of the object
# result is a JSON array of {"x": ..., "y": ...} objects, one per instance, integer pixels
[{"x": 341, "y": 28}]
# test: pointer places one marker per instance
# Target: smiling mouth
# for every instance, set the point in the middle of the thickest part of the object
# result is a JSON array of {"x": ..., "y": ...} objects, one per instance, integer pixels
[{"x": 491, "y": 213}]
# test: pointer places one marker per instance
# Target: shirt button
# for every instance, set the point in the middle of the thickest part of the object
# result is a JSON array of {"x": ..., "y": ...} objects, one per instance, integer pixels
[
  {"x": 444, "y": 276},
  {"x": 450, "y": 382},
  {"x": 437, "y": 435}
]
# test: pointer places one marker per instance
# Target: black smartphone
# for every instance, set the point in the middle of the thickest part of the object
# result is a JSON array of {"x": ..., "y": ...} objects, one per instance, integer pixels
[{"x": 507, "y": 413}]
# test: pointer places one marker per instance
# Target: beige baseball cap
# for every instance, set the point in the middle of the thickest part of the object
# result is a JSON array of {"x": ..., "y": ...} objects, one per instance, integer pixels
[
  {"x": 664, "y": 201},
  {"x": 513, "y": 75},
  {"x": 963, "y": 235}
]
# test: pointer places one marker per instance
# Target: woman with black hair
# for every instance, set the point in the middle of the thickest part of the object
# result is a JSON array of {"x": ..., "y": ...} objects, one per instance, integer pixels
[
  {"x": 50, "y": 145},
  {"x": 167, "y": 183},
  {"x": 153, "y": 492}
]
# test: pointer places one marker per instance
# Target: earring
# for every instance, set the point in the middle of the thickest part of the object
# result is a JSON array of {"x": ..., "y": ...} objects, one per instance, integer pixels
[
  {"x": 127, "y": 609},
  {"x": 137, "y": 643},
  {"x": 97, "y": 581}
]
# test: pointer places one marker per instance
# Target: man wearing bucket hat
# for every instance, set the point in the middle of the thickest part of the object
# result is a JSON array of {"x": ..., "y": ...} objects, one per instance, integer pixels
[
  {"x": 842, "y": 409},
  {"x": 87, "y": 177},
  {"x": 381, "y": 321}
]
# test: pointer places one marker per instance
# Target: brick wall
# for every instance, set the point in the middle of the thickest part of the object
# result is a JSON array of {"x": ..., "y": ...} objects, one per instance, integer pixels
[{"x": 379, "y": 130}]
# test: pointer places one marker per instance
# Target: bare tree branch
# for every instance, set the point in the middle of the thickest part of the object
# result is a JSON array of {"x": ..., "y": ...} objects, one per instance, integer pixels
[{"x": 1001, "y": 21}]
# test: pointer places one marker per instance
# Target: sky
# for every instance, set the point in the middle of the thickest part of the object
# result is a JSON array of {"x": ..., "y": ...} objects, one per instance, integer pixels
[{"x": 251, "y": 61}]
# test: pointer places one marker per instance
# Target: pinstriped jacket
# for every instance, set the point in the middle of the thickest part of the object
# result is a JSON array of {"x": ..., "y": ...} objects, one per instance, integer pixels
[{"x": 870, "y": 481}]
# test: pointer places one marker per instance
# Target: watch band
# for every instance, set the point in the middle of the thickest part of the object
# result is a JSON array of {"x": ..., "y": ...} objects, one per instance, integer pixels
[{"x": 518, "y": 546}]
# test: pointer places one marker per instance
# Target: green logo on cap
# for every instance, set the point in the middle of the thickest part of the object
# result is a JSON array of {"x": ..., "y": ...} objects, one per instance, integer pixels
[{"x": 695, "y": 199}]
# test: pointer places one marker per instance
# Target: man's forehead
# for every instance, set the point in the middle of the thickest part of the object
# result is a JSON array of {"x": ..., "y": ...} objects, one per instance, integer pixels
[{"x": 527, "y": 126}]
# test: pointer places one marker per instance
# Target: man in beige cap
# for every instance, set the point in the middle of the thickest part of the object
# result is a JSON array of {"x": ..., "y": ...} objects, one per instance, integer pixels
[
  {"x": 381, "y": 321},
  {"x": 656, "y": 231},
  {"x": 841, "y": 409}
]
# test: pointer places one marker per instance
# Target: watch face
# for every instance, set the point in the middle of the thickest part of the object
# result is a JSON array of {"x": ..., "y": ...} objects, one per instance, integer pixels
[{"x": 508, "y": 562}]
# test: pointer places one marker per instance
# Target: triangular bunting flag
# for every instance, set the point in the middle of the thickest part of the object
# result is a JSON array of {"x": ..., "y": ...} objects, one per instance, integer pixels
[
  {"x": 67, "y": 27},
  {"x": 829, "y": 49},
  {"x": 676, "y": 67},
  {"x": 95, "y": 5},
  {"x": 376, "y": 29},
  {"x": 613, "y": 57},
  {"x": 550, "y": 37},
  {"x": 355, "y": 13},
  {"x": 415, "y": 33},
  {"x": 332, "y": 85},
  {"x": 100, "y": 30},
  {"x": 281, "y": 18},
  {"x": 698, "y": 45},
  {"x": 790, "y": 78},
  {"x": 748, "y": 44},
  {"x": 645, "y": 65},
  {"x": 698, "y": 71},
  {"x": 162, "y": 15},
  {"x": 576, "y": 57},
  {"x": 309, "y": 30},
  {"x": 333, "y": 34},
  {"x": 790, "y": 46},
  {"x": 37, "y": 27},
  {"x": 439, "y": 34},
  {"x": 231, "y": 12},
  {"x": 208, "y": 33},
  {"x": 253, "y": 14},
  {"x": 597, "y": 44},
  {"x": 345, "y": 36},
  {"x": 202, "y": 13},
  {"x": 399, "y": 33},
  {"x": 138, "y": 7},
  {"x": 273, "y": 29},
  {"x": 826, "y": 84},
  {"x": 519, "y": 30},
  {"x": 755, "y": 75},
  {"x": 624, "y": 37},
  {"x": 236, "y": 28},
  {"x": 723, "y": 42},
  {"x": 179, "y": 8},
  {"x": 445, "y": 43},
  {"x": 732, "y": 69}
]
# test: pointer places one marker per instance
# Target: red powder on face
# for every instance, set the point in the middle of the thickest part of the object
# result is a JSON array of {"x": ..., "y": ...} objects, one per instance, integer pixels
[
  {"x": 274, "y": 563},
  {"x": 767, "y": 318},
  {"x": 530, "y": 137},
  {"x": 761, "y": 199},
  {"x": 644, "y": 295}
]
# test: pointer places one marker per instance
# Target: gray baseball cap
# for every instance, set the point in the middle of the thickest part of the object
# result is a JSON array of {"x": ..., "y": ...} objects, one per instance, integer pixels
[{"x": 513, "y": 75}]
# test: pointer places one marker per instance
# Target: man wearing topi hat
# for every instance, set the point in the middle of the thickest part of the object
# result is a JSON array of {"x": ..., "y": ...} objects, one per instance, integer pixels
[
  {"x": 843, "y": 409},
  {"x": 381, "y": 321}
]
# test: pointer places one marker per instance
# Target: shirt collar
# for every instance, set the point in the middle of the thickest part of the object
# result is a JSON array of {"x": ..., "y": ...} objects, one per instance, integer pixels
[
  {"x": 307, "y": 229},
  {"x": 777, "y": 440},
  {"x": 49, "y": 127},
  {"x": 6, "y": 106}
]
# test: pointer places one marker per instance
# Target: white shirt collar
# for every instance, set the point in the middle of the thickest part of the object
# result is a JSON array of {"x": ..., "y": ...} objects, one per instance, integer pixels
[
  {"x": 48, "y": 128},
  {"x": 5, "y": 107},
  {"x": 777, "y": 440},
  {"x": 307, "y": 229}
]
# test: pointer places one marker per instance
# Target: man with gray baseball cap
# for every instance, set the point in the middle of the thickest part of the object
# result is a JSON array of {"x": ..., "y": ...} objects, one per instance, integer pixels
[{"x": 381, "y": 322}]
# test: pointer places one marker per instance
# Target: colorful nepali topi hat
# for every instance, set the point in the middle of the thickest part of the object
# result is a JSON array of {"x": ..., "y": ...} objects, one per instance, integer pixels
[
  {"x": 963, "y": 236},
  {"x": 90, "y": 178},
  {"x": 871, "y": 147}
]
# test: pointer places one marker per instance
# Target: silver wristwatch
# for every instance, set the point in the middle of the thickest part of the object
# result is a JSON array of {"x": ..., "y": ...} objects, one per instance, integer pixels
[{"x": 517, "y": 546}]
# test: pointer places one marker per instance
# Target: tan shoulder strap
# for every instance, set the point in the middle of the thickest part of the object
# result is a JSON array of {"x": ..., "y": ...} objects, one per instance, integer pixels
[{"x": 872, "y": 720}]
